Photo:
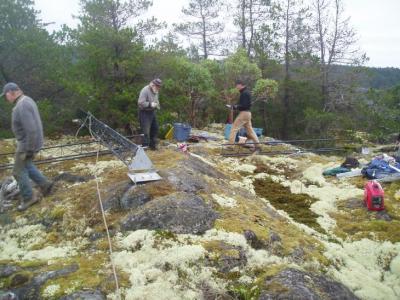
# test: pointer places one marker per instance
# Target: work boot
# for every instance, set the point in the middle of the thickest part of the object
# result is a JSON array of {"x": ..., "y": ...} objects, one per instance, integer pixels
[
  {"x": 46, "y": 188},
  {"x": 27, "y": 203}
]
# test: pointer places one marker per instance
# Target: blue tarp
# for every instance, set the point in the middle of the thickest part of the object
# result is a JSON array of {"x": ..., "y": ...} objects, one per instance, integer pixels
[{"x": 378, "y": 168}]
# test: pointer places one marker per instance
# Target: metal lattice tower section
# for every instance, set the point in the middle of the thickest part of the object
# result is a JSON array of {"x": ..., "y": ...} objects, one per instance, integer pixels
[
  {"x": 119, "y": 145},
  {"x": 133, "y": 156}
]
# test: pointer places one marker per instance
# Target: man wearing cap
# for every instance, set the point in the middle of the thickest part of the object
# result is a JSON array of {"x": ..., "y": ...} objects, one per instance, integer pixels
[
  {"x": 244, "y": 117},
  {"x": 28, "y": 130},
  {"x": 148, "y": 104}
]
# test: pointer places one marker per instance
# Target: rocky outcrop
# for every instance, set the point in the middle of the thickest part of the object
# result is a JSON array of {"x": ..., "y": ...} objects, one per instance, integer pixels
[
  {"x": 183, "y": 180},
  {"x": 85, "y": 295},
  {"x": 6, "y": 271},
  {"x": 199, "y": 167},
  {"x": 71, "y": 178},
  {"x": 297, "y": 285},
  {"x": 125, "y": 196},
  {"x": 189, "y": 175},
  {"x": 25, "y": 287},
  {"x": 179, "y": 213}
]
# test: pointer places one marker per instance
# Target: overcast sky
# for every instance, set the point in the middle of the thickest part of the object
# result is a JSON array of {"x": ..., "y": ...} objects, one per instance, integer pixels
[{"x": 376, "y": 22}]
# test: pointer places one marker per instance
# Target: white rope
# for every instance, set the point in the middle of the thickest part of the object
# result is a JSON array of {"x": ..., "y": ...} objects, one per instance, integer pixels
[{"x": 104, "y": 215}]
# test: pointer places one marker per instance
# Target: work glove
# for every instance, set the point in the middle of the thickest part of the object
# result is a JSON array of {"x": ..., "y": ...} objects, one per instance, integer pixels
[
  {"x": 235, "y": 107},
  {"x": 153, "y": 105}
]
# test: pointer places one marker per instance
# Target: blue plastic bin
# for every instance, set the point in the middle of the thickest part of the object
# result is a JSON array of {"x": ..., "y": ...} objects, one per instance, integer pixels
[
  {"x": 181, "y": 132},
  {"x": 258, "y": 131},
  {"x": 228, "y": 128},
  {"x": 227, "y": 132}
]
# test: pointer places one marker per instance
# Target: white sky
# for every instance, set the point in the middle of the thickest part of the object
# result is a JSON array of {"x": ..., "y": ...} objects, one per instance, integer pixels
[{"x": 376, "y": 22}]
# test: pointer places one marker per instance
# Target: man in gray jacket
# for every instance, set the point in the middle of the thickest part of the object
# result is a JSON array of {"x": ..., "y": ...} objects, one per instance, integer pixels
[
  {"x": 28, "y": 130},
  {"x": 148, "y": 104}
]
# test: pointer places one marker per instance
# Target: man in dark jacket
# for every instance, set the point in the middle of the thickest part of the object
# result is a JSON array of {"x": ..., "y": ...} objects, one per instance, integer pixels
[
  {"x": 148, "y": 104},
  {"x": 28, "y": 130},
  {"x": 244, "y": 117}
]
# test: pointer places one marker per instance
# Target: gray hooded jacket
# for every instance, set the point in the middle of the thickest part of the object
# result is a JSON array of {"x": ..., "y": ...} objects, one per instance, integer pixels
[{"x": 27, "y": 125}]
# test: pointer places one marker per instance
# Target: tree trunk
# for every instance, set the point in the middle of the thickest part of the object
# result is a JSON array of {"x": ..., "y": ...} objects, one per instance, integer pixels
[
  {"x": 204, "y": 36},
  {"x": 243, "y": 23},
  {"x": 286, "y": 98},
  {"x": 251, "y": 20}
]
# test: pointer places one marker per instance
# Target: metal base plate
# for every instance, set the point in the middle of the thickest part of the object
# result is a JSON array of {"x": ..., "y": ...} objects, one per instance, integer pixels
[{"x": 144, "y": 177}]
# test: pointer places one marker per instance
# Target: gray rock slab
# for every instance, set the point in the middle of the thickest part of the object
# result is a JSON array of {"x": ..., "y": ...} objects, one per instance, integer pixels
[{"x": 179, "y": 213}]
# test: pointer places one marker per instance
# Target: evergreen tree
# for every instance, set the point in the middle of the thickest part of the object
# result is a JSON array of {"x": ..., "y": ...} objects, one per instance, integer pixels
[{"x": 202, "y": 25}]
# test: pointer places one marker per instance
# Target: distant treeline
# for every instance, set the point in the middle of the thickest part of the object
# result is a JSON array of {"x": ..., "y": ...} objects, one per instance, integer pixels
[
  {"x": 370, "y": 77},
  {"x": 380, "y": 78}
]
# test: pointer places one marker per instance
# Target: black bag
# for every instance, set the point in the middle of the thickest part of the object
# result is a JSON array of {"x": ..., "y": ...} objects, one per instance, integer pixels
[{"x": 350, "y": 163}]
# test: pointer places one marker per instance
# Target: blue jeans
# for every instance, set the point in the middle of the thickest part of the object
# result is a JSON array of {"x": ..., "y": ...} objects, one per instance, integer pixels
[{"x": 23, "y": 171}]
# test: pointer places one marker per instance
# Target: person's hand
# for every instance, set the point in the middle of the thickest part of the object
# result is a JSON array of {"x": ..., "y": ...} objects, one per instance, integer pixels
[
  {"x": 153, "y": 104},
  {"x": 22, "y": 155}
]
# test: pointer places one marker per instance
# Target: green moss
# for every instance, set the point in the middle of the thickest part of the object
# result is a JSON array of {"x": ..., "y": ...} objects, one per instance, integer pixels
[
  {"x": 358, "y": 223},
  {"x": 32, "y": 264},
  {"x": 230, "y": 276},
  {"x": 253, "y": 290},
  {"x": 392, "y": 200},
  {"x": 58, "y": 212},
  {"x": 245, "y": 292},
  {"x": 218, "y": 249},
  {"x": 267, "y": 273},
  {"x": 53, "y": 237},
  {"x": 265, "y": 169},
  {"x": 236, "y": 222},
  {"x": 361, "y": 224},
  {"x": 296, "y": 205},
  {"x": 276, "y": 288},
  {"x": 17, "y": 279},
  {"x": 165, "y": 235},
  {"x": 89, "y": 275}
]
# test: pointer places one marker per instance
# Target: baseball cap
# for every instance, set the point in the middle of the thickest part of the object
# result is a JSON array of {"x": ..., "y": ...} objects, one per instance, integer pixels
[
  {"x": 8, "y": 87},
  {"x": 157, "y": 82}
]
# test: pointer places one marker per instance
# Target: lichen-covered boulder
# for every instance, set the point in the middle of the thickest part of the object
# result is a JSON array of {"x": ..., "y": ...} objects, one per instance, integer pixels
[
  {"x": 183, "y": 180},
  {"x": 190, "y": 175},
  {"x": 6, "y": 271},
  {"x": 179, "y": 213},
  {"x": 85, "y": 295},
  {"x": 113, "y": 195},
  {"x": 202, "y": 168},
  {"x": 30, "y": 288},
  {"x": 124, "y": 196},
  {"x": 71, "y": 178},
  {"x": 295, "y": 284},
  {"x": 133, "y": 198}
]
